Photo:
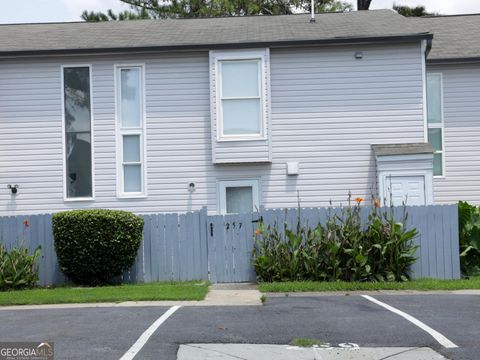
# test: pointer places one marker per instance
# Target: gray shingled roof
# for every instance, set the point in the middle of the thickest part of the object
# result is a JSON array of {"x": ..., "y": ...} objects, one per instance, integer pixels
[
  {"x": 402, "y": 149},
  {"x": 211, "y": 32},
  {"x": 454, "y": 37}
]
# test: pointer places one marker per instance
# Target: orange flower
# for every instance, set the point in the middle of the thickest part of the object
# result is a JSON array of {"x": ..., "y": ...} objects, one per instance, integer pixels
[
  {"x": 358, "y": 200},
  {"x": 377, "y": 203},
  {"x": 258, "y": 232},
  {"x": 26, "y": 223}
]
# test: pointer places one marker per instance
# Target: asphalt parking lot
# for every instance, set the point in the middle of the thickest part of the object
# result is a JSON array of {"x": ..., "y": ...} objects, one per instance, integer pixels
[{"x": 109, "y": 333}]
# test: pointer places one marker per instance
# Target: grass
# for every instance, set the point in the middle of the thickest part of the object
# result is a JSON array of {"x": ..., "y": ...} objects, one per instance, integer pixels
[
  {"x": 304, "y": 342},
  {"x": 421, "y": 285},
  {"x": 191, "y": 290}
]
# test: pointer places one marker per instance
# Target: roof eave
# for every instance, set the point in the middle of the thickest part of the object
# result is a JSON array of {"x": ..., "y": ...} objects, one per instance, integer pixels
[
  {"x": 458, "y": 60},
  {"x": 271, "y": 44}
]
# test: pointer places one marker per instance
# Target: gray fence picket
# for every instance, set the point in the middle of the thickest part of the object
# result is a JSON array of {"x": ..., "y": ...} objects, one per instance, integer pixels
[
  {"x": 171, "y": 235},
  {"x": 182, "y": 247},
  {"x": 212, "y": 248},
  {"x": 447, "y": 251},
  {"x": 249, "y": 228},
  {"x": 204, "y": 244},
  {"x": 219, "y": 243},
  {"x": 154, "y": 249},
  {"x": 192, "y": 219},
  {"x": 147, "y": 248},
  {"x": 454, "y": 242},
  {"x": 432, "y": 256},
  {"x": 417, "y": 266},
  {"x": 162, "y": 253}
]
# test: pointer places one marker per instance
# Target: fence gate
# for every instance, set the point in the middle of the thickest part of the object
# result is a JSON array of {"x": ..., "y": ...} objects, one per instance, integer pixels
[{"x": 230, "y": 244}]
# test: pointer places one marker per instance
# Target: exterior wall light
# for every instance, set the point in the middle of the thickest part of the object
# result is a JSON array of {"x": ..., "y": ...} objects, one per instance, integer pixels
[
  {"x": 191, "y": 187},
  {"x": 13, "y": 188},
  {"x": 358, "y": 55}
]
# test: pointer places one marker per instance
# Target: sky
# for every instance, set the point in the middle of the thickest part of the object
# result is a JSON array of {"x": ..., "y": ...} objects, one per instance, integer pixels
[{"x": 20, "y": 11}]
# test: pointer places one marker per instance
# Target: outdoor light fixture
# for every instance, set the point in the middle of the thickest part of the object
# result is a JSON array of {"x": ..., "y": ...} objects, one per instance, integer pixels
[
  {"x": 191, "y": 187},
  {"x": 13, "y": 188},
  {"x": 359, "y": 55}
]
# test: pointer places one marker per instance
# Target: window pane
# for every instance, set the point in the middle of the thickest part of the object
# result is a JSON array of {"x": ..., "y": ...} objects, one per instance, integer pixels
[
  {"x": 130, "y": 97},
  {"x": 79, "y": 165},
  {"x": 437, "y": 165},
  {"x": 435, "y": 138},
  {"x": 239, "y": 199},
  {"x": 131, "y": 148},
  {"x": 77, "y": 99},
  {"x": 240, "y": 78},
  {"x": 132, "y": 178},
  {"x": 434, "y": 99},
  {"x": 241, "y": 117}
]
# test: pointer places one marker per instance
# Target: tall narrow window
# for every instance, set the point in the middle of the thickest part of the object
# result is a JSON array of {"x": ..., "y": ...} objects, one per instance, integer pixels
[
  {"x": 131, "y": 130},
  {"x": 435, "y": 120},
  {"x": 78, "y": 135}
]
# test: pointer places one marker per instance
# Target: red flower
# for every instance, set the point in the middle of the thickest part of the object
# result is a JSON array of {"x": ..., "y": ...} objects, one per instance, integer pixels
[{"x": 26, "y": 223}]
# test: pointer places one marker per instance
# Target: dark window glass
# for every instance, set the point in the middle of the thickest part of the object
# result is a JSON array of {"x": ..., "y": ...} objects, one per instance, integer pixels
[{"x": 78, "y": 145}]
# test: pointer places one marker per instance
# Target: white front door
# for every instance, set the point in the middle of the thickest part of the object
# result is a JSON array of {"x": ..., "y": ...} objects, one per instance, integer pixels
[{"x": 408, "y": 189}]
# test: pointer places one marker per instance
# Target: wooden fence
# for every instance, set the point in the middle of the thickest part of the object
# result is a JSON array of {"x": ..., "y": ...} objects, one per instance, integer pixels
[{"x": 195, "y": 246}]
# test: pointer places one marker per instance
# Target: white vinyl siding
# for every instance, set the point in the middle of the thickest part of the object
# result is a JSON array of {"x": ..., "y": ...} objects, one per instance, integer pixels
[
  {"x": 131, "y": 135},
  {"x": 461, "y": 111},
  {"x": 327, "y": 108},
  {"x": 435, "y": 128}
]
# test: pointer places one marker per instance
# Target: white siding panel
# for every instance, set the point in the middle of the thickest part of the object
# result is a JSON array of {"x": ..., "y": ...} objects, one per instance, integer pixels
[
  {"x": 327, "y": 109},
  {"x": 461, "y": 93}
]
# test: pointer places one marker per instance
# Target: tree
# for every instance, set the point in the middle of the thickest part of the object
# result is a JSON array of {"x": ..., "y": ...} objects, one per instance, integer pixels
[
  {"x": 411, "y": 11},
  {"x": 363, "y": 4},
  {"x": 92, "y": 16},
  {"x": 161, "y": 9}
]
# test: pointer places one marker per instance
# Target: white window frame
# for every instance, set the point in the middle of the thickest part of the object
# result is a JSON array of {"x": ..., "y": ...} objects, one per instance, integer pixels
[
  {"x": 122, "y": 131},
  {"x": 440, "y": 125},
  {"x": 222, "y": 192},
  {"x": 261, "y": 55},
  {"x": 64, "y": 138}
]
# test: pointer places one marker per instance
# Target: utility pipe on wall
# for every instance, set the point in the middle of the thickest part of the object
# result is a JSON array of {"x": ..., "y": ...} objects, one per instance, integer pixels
[{"x": 312, "y": 19}]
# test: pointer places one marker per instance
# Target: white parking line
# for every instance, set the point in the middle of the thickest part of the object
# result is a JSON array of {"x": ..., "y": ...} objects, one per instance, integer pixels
[
  {"x": 142, "y": 340},
  {"x": 435, "y": 334}
]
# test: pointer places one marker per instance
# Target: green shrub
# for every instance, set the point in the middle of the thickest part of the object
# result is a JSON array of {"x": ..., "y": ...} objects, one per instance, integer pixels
[
  {"x": 469, "y": 233},
  {"x": 18, "y": 269},
  {"x": 96, "y": 246},
  {"x": 343, "y": 248}
]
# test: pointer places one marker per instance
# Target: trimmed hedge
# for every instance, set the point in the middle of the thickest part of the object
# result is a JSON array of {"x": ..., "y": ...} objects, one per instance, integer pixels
[{"x": 96, "y": 246}]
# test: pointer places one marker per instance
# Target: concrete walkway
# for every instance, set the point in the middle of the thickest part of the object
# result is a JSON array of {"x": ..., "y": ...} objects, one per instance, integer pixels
[
  {"x": 218, "y": 295},
  {"x": 284, "y": 352}
]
